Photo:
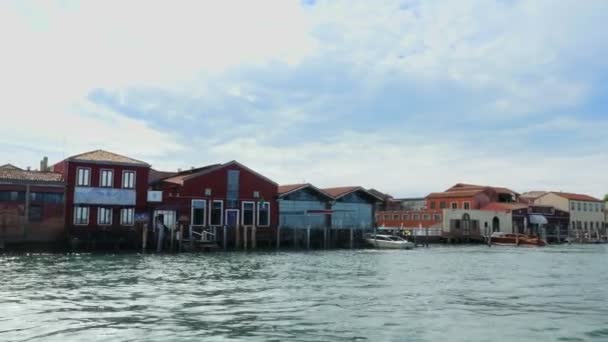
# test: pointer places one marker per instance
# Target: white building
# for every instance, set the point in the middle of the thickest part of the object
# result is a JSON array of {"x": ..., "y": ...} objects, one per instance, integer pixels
[
  {"x": 587, "y": 214},
  {"x": 475, "y": 224}
]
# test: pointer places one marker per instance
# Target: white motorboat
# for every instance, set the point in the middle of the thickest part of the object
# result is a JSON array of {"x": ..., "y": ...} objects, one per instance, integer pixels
[{"x": 389, "y": 241}]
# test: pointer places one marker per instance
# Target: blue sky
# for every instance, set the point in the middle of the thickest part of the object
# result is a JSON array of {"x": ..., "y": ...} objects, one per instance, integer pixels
[{"x": 407, "y": 97}]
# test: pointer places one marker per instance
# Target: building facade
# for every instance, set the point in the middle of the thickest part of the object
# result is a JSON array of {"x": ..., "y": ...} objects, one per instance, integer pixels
[
  {"x": 586, "y": 212},
  {"x": 105, "y": 192},
  {"x": 206, "y": 200},
  {"x": 31, "y": 206}
]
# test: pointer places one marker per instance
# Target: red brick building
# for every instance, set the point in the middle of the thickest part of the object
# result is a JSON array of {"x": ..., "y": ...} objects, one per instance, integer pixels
[
  {"x": 105, "y": 192},
  {"x": 31, "y": 206}
]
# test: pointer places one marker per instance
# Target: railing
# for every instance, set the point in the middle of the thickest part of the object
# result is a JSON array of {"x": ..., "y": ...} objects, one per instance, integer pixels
[{"x": 204, "y": 234}]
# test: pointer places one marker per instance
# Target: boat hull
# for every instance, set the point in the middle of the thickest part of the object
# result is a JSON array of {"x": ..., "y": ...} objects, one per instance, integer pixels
[
  {"x": 390, "y": 244},
  {"x": 519, "y": 240}
]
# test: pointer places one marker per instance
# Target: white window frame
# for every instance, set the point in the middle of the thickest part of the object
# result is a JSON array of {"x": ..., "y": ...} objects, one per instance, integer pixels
[
  {"x": 101, "y": 172},
  {"x": 99, "y": 216},
  {"x": 573, "y": 206},
  {"x": 464, "y": 205},
  {"x": 192, "y": 212},
  {"x": 75, "y": 221},
  {"x": 243, "y": 213},
  {"x": 88, "y": 180},
  {"x": 122, "y": 217},
  {"x": 221, "y": 215},
  {"x": 124, "y": 172},
  {"x": 452, "y": 205},
  {"x": 258, "y": 214}
]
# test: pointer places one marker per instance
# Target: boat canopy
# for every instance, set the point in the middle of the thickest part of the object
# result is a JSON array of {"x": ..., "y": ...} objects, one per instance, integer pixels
[{"x": 538, "y": 219}]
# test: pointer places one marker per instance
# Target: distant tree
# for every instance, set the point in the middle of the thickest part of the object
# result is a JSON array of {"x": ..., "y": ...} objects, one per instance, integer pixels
[{"x": 606, "y": 198}]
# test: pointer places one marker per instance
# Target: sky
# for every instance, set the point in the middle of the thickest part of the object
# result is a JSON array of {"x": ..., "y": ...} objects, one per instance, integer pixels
[{"x": 407, "y": 97}]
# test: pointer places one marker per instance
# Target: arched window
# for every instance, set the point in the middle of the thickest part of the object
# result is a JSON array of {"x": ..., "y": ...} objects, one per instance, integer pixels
[{"x": 495, "y": 224}]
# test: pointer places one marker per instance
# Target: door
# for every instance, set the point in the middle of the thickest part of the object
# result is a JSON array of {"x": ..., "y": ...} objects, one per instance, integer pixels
[
  {"x": 232, "y": 218},
  {"x": 169, "y": 217}
]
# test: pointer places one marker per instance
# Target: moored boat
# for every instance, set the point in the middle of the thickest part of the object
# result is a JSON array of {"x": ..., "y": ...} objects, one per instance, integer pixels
[
  {"x": 507, "y": 239},
  {"x": 388, "y": 241}
]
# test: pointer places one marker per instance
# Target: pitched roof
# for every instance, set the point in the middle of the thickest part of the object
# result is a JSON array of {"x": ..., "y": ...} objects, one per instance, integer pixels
[
  {"x": 345, "y": 190},
  {"x": 576, "y": 197},
  {"x": 500, "y": 206},
  {"x": 533, "y": 194},
  {"x": 464, "y": 186},
  {"x": 189, "y": 174},
  {"x": 105, "y": 156},
  {"x": 10, "y": 167},
  {"x": 456, "y": 194},
  {"x": 17, "y": 175},
  {"x": 285, "y": 190},
  {"x": 380, "y": 194},
  {"x": 155, "y": 175}
]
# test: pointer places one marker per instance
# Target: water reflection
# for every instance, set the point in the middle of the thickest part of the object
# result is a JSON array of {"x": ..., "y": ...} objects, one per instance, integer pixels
[{"x": 441, "y": 293}]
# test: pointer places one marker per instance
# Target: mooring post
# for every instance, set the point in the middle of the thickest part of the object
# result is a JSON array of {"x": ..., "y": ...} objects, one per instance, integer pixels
[
  {"x": 279, "y": 237},
  {"x": 181, "y": 237},
  {"x": 308, "y": 238},
  {"x": 225, "y": 238},
  {"x": 295, "y": 237},
  {"x": 237, "y": 242},
  {"x": 325, "y": 237},
  {"x": 254, "y": 241},
  {"x": 172, "y": 242},
  {"x": 352, "y": 238},
  {"x": 159, "y": 241},
  {"x": 144, "y": 237},
  {"x": 245, "y": 237}
]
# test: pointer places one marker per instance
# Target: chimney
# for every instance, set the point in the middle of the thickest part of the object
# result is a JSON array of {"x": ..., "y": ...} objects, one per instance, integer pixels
[
  {"x": 44, "y": 164},
  {"x": 29, "y": 168}
]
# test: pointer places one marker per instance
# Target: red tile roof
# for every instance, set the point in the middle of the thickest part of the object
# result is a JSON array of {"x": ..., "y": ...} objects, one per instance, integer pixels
[
  {"x": 283, "y": 189},
  {"x": 463, "y": 186},
  {"x": 576, "y": 197},
  {"x": 341, "y": 191},
  {"x": 455, "y": 194},
  {"x": 105, "y": 156},
  {"x": 17, "y": 175}
]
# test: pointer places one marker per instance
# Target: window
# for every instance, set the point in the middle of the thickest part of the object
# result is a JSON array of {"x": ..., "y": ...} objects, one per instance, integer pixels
[
  {"x": 106, "y": 179},
  {"x": 467, "y": 205},
  {"x": 406, "y": 217},
  {"x": 585, "y": 206},
  {"x": 586, "y": 225},
  {"x": 81, "y": 215},
  {"x": 396, "y": 217},
  {"x": 263, "y": 214},
  {"x": 454, "y": 205},
  {"x": 597, "y": 207},
  {"x": 573, "y": 206},
  {"x": 437, "y": 217},
  {"x": 104, "y": 216},
  {"x": 416, "y": 217},
  {"x": 442, "y": 205},
  {"x": 387, "y": 217},
  {"x": 127, "y": 216},
  {"x": 199, "y": 212},
  {"x": 216, "y": 217},
  {"x": 83, "y": 176},
  {"x": 128, "y": 179},
  {"x": 426, "y": 217},
  {"x": 578, "y": 206},
  {"x": 207, "y": 191},
  {"x": 35, "y": 213},
  {"x": 248, "y": 209},
  {"x": 256, "y": 194},
  {"x": 433, "y": 205},
  {"x": 573, "y": 225}
]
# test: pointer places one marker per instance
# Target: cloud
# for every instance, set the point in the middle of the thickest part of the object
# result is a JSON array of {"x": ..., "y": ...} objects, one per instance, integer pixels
[{"x": 404, "y": 96}]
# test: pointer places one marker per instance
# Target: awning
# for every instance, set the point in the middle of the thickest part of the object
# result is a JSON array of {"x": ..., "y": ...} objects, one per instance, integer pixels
[{"x": 538, "y": 219}]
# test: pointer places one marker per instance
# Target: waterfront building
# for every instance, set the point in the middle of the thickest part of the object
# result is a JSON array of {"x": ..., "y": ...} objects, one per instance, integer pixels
[
  {"x": 31, "y": 206},
  {"x": 353, "y": 207},
  {"x": 586, "y": 212},
  {"x": 105, "y": 193},
  {"x": 226, "y": 203}
]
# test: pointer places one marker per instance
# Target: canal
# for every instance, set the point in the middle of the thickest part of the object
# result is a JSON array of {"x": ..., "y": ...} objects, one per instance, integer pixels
[{"x": 464, "y": 293}]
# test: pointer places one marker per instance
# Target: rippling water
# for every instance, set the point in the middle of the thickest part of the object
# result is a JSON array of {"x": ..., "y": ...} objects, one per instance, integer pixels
[{"x": 437, "y": 294}]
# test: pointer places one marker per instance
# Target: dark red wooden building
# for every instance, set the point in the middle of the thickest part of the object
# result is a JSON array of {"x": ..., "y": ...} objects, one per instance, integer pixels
[
  {"x": 219, "y": 201},
  {"x": 105, "y": 192}
]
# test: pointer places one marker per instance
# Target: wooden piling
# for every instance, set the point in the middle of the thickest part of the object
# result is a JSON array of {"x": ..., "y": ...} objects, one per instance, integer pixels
[
  {"x": 352, "y": 238},
  {"x": 181, "y": 237},
  {"x": 225, "y": 238},
  {"x": 245, "y": 237},
  {"x": 295, "y": 238},
  {"x": 254, "y": 241},
  {"x": 237, "y": 243},
  {"x": 325, "y": 238},
  {"x": 308, "y": 238},
  {"x": 144, "y": 237},
  {"x": 278, "y": 237}
]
